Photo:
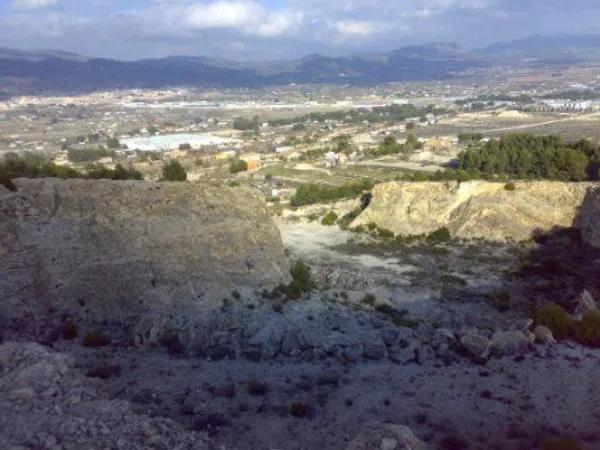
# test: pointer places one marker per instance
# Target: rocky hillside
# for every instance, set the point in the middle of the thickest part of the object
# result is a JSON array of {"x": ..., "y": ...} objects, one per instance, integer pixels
[
  {"x": 475, "y": 209},
  {"x": 131, "y": 251},
  {"x": 589, "y": 217},
  {"x": 46, "y": 403}
]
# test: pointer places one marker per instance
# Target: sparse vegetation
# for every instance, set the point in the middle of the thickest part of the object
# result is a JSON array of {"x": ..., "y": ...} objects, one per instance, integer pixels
[
  {"x": 556, "y": 319},
  {"x": 329, "y": 219}
]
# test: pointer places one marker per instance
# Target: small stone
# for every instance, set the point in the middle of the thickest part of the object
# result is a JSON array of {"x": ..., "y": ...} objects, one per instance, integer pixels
[{"x": 388, "y": 444}]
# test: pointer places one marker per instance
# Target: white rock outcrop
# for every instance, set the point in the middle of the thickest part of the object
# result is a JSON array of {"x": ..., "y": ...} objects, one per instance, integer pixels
[{"x": 474, "y": 209}]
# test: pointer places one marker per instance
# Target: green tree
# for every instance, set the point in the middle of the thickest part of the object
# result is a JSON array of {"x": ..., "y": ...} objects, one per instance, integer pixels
[
  {"x": 237, "y": 165},
  {"x": 173, "y": 171}
]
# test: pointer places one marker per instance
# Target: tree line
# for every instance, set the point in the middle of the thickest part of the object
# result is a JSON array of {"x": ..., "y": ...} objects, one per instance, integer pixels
[{"x": 526, "y": 156}]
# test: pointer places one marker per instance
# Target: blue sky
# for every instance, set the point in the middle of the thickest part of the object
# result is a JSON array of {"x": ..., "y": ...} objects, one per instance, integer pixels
[{"x": 255, "y": 29}]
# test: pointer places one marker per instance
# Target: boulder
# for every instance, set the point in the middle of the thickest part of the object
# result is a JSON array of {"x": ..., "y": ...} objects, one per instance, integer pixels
[
  {"x": 382, "y": 436},
  {"x": 508, "y": 343},
  {"x": 476, "y": 344},
  {"x": 585, "y": 303},
  {"x": 588, "y": 219},
  {"x": 543, "y": 335}
]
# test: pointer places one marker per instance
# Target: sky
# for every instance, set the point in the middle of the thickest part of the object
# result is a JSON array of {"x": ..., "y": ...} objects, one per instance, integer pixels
[{"x": 279, "y": 29}]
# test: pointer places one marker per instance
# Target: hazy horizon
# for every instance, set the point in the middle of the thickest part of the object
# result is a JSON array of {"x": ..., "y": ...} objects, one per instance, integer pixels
[{"x": 278, "y": 29}]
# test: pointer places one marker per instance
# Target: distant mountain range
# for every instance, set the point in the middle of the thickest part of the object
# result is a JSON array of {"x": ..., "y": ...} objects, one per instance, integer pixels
[{"x": 36, "y": 71}]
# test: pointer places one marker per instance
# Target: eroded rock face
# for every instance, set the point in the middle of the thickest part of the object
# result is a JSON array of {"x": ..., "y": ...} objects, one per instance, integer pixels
[
  {"x": 589, "y": 217},
  {"x": 113, "y": 251},
  {"x": 475, "y": 209},
  {"x": 46, "y": 403}
]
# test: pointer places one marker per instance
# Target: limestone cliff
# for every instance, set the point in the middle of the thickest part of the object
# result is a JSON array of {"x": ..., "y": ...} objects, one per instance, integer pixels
[
  {"x": 113, "y": 250},
  {"x": 475, "y": 209},
  {"x": 589, "y": 217}
]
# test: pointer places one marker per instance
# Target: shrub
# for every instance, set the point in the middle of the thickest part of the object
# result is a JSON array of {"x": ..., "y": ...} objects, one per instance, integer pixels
[
  {"x": 95, "y": 339},
  {"x": 69, "y": 330},
  {"x": 301, "y": 410},
  {"x": 173, "y": 171},
  {"x": 561, "y": 443},
  {"x": 98, "y": 171},
  {"x": 302, "y": 281},
  {"x": 104, "y": 372},
  {"x": 257, "y": 388},
  {"x": 237, "y": 165},
  {"x": 329, "y": 218},
  {"x": 113, "y": 142},
  {"x": 385, "y": 234},
  {"x": 556, "y": 319},
  {"x": 88, "y": 154},
  {"x": 440, "y": 235},
  {"x": 510, "y": 186},
  {"x": 502, "y": 301},
  {"x": 588, "y": 331},
  {"x": 369, "y": 299},
  {"x": 172, "y": 343}
]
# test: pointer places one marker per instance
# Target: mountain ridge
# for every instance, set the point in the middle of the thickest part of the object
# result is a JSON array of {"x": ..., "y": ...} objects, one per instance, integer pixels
[{"x": 59, "y": 71}]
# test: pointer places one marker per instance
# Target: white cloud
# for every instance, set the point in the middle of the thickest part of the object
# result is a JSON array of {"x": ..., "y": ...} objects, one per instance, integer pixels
[
  {"x": 245, "y": 16},
  {"x": 354, "y": 27},
  {"x": 29, "y": 5}
]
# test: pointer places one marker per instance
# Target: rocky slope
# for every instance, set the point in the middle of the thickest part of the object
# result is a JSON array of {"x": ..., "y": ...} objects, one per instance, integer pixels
[
  {"x": 589, "y": 218},
  {"x": 135, "y": 253},
  {"x": 46, "y": 403},
  {"x": 475, "y": 209}
]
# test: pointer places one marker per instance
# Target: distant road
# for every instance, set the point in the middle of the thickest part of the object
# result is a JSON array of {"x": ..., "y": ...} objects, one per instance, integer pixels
[{"x": 548, "y": 122}]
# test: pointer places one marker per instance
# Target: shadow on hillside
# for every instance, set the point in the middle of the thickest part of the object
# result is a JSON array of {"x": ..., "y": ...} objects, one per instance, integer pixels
[{"x": 559, "y": 268}]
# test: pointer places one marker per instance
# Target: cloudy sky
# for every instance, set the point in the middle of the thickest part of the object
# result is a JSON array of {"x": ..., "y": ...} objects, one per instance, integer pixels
[{"x": 266, "y": 29}]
